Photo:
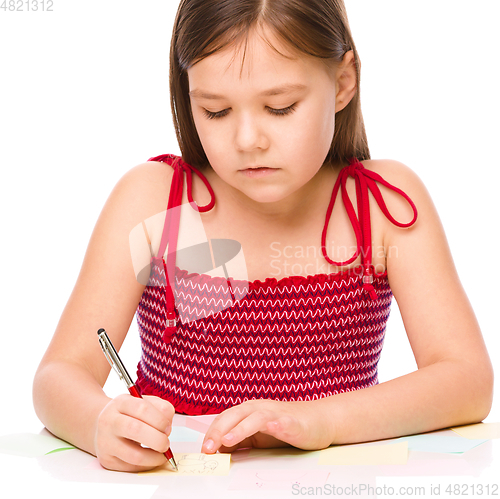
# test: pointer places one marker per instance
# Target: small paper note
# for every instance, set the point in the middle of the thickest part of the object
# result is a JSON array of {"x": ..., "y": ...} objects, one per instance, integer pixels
[
  {"x": 441, "y": 443},
  {"x": 479, "y": 431},
  {"x": 195, "y": 465},
  {"x": 31, "y": 445},
  {"x": 276, "y": 479},
  {"x": 365, "y": 454}
]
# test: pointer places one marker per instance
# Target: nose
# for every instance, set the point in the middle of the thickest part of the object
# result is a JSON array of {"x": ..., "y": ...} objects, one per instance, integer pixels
[{"x": 250, "y": 134}]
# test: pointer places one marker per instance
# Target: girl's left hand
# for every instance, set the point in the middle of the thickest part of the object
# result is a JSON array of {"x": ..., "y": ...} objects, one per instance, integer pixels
[{"x": 269, "y": 423}]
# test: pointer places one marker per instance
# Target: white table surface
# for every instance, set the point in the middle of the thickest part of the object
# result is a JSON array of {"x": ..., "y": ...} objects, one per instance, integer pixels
[{"x": 75, "y": 474}]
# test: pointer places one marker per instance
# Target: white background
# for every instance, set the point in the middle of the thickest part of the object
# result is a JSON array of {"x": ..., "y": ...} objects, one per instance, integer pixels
[{"x": 84, "y": 98}]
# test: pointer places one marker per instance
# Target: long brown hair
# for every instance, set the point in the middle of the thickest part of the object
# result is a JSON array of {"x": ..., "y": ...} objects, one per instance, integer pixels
[{"x": 315, "y": 27}]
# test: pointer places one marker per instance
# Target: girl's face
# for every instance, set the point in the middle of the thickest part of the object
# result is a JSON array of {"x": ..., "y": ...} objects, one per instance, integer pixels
[{"x": 266, "y": 123}]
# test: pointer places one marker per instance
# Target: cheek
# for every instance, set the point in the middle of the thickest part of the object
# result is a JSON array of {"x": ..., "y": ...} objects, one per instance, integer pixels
[
  {"x": 211, "y": 140},
  {"x": 313, "y": 133},
  {"x": 324, "y": 129},
  {"x": 326, "y": 122}
]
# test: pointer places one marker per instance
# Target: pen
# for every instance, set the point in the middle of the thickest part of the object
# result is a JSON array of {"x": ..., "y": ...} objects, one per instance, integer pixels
[{"x": 113, "y": 358}]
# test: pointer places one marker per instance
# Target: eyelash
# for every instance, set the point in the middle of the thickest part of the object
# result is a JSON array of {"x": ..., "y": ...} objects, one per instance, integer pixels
[{"x": 276, "y": 112}]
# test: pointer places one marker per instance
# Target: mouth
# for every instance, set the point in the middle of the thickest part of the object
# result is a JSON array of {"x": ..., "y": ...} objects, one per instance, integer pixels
[
  {"x": 258, "y": 171},
  {"x": 257, "y": 167}
]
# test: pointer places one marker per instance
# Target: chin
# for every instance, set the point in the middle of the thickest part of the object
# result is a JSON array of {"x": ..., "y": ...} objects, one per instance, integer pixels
[{"x": 266, "y": 197}]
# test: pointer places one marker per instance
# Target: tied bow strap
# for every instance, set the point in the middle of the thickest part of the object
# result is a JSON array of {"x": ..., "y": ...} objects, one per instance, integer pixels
[
  {"x": 365, "y": 180},
  {"x": 171, "y": 230}
]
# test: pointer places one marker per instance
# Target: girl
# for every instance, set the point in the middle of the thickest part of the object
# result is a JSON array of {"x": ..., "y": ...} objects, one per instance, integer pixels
[{"x": 262, "y": 269}]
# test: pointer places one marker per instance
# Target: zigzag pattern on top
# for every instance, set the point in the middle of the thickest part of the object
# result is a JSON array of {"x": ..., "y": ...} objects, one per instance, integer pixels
[{"x": 298, "y": 338}]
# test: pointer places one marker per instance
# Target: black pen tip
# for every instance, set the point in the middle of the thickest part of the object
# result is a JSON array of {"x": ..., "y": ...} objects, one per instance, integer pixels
[{"x": 101, "y": 330}]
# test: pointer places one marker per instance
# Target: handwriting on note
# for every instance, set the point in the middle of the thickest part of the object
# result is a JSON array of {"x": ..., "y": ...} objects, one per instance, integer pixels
[{"x": 195, "y": 465}]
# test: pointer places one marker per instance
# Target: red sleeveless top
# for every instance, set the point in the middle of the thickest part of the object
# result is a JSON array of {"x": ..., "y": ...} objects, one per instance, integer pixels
[{"x": 297, "y": 338}]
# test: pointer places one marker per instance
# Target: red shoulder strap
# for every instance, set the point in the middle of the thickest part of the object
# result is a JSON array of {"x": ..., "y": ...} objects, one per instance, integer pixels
[
  {"x": 171, "y": 228},
  {"x": 366, "y": 180}
]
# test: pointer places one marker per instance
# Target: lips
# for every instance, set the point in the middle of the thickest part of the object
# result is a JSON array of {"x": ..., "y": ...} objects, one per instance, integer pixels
[{"x": 258, "y": 171}]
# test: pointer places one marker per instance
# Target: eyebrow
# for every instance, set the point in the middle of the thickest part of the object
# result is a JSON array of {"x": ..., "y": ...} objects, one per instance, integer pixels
[{"x": 283, "y": 89}]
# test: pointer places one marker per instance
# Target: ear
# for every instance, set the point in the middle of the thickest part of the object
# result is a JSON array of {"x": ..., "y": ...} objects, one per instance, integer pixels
[{"x": 345, "y": 81}]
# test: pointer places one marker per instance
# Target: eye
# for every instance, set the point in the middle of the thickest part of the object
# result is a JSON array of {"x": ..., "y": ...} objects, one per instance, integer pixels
[
  {"x": 276, "y": 112},
  {"x": 284, "y": 111},
  {"x": 218, "y": 114}
]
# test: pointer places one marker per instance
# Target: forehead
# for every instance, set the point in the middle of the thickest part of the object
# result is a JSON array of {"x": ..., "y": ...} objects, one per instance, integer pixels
[{"x": 259, "y": 60}]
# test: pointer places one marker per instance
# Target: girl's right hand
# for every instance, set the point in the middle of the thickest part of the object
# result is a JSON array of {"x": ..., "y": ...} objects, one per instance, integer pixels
[{"x": 127, "y": 424}]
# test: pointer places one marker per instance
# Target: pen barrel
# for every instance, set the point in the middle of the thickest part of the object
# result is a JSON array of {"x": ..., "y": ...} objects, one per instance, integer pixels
[
  {"x": 135, "y": 391},
  {"x": 114, "y": 359}
]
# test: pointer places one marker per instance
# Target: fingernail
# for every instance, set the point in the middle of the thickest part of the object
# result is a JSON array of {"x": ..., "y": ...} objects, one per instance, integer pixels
[
  {"x": 168, "y": 431},
  {"x": 209, "y": 445},
  {"x": 228, "y": 437}
]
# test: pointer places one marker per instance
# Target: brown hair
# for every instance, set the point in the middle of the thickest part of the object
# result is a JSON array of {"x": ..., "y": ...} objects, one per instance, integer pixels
[{"x": 315, "y": 27}]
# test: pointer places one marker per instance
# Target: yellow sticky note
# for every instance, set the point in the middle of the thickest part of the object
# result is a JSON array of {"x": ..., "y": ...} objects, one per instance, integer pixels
[
  {"x": 365, "y": 454},
  {"x": 195, "y": 465},
  {"x": 478, "y": 431}
]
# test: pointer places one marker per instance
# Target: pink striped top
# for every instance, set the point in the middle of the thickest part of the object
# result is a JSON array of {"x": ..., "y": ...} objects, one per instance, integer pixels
[{"x": 297, "y": 338}]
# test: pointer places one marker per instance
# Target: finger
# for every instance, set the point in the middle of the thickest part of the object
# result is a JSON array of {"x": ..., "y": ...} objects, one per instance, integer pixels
[
  {"x": 131, "y": 457},
  {"x": 285, "y": 428},
  {"x": 247, "y": 443},
  {"x": 145, "y": 410},
  {"x": 258, "y": 441},
  {"x": 233, "y": 436},
  {"x": 136, "y": 455},
  {"x": 113, "y": 463},
  {"x": 140, "y": 432},
  {"x": 291, "y": 430},
  {"x": 282, "y": 432},
  {"x": 163, "y": 406},
  {"x": 221, "y": 425}
]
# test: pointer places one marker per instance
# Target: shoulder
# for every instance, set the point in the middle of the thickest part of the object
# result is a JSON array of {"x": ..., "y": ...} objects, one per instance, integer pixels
[
  {"x": 396, "y": 173},
  {"x": 146, "y": 178},
  {"x": 142, "y": 191},
  {"x": 403, "y": 178}
]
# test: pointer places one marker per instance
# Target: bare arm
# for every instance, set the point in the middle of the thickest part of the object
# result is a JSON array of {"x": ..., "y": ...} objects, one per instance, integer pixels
[
  {"x": 454, "y": 381},
  {"x": 67, "y": 390}
]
